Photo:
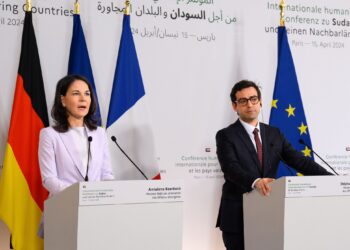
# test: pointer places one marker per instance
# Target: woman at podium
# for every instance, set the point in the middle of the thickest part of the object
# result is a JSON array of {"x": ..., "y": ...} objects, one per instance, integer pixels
[{"x": 75, "y": 149}]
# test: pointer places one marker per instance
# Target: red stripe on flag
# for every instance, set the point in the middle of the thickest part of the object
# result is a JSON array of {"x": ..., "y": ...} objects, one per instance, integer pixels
[
  {"x": 157, "y": 177},
  {"x": 24, "y": 142}
]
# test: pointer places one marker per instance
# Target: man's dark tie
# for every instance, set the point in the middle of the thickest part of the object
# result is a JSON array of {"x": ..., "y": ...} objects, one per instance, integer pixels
[{"x": 258, "y": 146}]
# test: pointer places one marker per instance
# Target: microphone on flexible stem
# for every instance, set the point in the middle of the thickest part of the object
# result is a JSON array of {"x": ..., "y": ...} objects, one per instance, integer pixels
[
  {"x": 303, "y": 143},
  {"x": 281, "y": 159},
  {"x": 87, "y": 166},
  {"x": 114, "y": 139}
]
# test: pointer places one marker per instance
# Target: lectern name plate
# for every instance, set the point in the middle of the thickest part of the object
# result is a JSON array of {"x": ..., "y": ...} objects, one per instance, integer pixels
[
  {"x": 126, "y": 192},
  {"x": 313, "y": 186}
]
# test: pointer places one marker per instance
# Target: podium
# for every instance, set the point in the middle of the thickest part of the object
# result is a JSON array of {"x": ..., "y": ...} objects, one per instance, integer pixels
[
  {"x": 125, "y": 215},
  {"x": 301, "y": 213}
]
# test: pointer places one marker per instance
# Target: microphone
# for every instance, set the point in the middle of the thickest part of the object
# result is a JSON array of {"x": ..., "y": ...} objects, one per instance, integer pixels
[
  {"x": 303, "y": 143},
  {"x": 281, "y": 159},
  {"x": 114, "y": 139},
  {"x": 89, "y": 153}
]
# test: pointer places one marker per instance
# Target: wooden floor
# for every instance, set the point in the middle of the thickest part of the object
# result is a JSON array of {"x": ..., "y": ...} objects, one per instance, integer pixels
[{"x": 4, "y": 237}]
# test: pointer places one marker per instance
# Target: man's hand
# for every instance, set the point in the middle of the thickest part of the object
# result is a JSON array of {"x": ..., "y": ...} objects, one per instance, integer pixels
[{"x": 263, "y": 186}]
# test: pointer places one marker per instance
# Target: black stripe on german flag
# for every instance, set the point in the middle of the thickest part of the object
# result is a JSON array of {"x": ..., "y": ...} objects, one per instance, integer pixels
[{"x": 30, "y": 70}]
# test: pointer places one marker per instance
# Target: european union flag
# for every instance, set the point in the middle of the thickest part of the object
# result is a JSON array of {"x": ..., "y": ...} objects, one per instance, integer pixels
[
  {"x": 287, "y": 112},
  {"x": 79, "y": 61}
]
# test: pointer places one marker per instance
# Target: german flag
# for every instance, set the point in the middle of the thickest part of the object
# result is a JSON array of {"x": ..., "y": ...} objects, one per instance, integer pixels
[{"x": 21, "y": 192}]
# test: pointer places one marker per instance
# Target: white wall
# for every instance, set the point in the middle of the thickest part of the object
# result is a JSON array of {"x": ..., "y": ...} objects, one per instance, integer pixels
[{"x": 4, "y": 237}]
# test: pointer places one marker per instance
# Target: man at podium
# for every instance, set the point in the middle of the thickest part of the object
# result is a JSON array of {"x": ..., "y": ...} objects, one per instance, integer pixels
[{"x": 249, "y": 153}]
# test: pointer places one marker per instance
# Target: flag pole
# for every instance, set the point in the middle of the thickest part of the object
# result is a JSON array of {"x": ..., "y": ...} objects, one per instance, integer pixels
[
  {"x": 76, "y": 7},
  {"x": 28, "y": 5},
  {"x": 282, "y": 6},
  {"x": 127, "y": 8}
]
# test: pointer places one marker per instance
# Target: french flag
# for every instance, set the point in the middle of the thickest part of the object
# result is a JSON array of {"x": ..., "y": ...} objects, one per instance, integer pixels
[{"x": 128, "y": 118}]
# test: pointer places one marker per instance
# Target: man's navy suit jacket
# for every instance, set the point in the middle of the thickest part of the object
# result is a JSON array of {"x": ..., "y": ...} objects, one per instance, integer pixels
[{"x": 240, "y": 165}]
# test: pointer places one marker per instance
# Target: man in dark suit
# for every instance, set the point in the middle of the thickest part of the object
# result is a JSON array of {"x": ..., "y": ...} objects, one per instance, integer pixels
[{"x": 249, "y": 153}]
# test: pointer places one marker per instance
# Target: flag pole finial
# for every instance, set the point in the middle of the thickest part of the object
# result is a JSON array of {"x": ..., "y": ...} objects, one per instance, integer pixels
[
  {"x": 76, "y": 7},
  {"x": 28, "y": 5},
  {"x": 282, "y": 6},
  {"x": 127, "y": 8}
]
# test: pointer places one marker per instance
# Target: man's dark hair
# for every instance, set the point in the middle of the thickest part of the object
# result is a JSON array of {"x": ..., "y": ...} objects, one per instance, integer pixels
[
  {"x": 59, "y": 113},
  {"x": 243, "y": 84}
]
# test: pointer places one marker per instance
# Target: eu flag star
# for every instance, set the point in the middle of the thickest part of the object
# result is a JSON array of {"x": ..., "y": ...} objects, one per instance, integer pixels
[
  {"x": 290, "y": 110},
  {"x": 274, "y": 104},
  {"x": 302, "y": 129},
  {"x": 306, "y": 151}
]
